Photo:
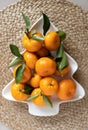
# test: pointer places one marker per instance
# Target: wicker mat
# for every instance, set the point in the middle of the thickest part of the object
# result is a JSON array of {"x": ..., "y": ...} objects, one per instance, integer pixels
[{"x": 67, "y": 17}]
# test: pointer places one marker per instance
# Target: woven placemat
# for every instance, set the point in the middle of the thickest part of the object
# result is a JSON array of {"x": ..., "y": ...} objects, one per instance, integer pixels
[{"x": 67, "y": 17}]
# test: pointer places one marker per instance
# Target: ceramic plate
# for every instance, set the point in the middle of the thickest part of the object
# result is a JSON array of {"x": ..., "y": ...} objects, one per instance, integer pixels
[{"x": 47, "y": 110}]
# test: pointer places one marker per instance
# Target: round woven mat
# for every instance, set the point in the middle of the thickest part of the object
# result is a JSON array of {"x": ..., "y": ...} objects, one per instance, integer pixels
[{"x": 67, "y": 17}]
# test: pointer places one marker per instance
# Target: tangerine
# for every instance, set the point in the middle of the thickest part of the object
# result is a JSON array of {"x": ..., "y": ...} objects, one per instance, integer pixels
[
  {"x": 43, "y": 52},
  {"x": 30, "y": 59},
  {"x": 49, "y": 86},
  {"x": 66, "y": 89},
  {"x": 45, "y": 66},
  {"x": 39, "y": 99},
  {"x": 26, "y": 74},
  {"x": 52, "y": 41},
  {"x": 17, "y": 91},
  {"x": 30, "y": 44},
  {"x": 35, "y": 80}
]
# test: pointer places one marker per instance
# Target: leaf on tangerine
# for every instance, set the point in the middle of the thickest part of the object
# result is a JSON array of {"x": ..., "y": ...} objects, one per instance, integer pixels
[
  {"x": 33, "y": 97},
  {"x": 15, "y": 62},
  {"x": 38, "y": 38},
  {"x": 63, "y": 63},
  {"x": 19, "y": 73},
  {"x": 33, "y": 31},
  {"x": 60, "y": 51},
  {"x": 47, "y": 101}
]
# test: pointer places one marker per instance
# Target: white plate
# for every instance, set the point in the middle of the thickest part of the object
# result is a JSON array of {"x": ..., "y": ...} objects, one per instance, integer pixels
[{"x": 47, "y": 111}]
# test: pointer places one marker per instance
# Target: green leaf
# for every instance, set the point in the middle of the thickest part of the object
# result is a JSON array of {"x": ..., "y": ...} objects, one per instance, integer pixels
[
  {"x": 64, "y": 62},
  {"x": 58, "y": 60},
  {"x": 62, "y": 35},
  {"x": 33, "y": 97},
  {"x": 33, "y": 32},
  {"x": 60, "y": 51},
  {"x": 38, "y": 38},
  {"x": 27, "y": 21},
  {"x": 47, "y": 101},
  {"x": 28, "y": 89},
  {"x": 15, "y": 62},
  {"x": 19, "y": 73},
  {"x": 46, "y": 23},
  {"x": 14, "y": 49}
]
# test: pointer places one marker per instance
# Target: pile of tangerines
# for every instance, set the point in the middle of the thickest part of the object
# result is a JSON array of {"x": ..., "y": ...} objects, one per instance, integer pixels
[{"x": 36, "y": 71}]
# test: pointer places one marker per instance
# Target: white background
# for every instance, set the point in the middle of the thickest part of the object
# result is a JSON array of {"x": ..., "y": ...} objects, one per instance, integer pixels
[{"x": 82, "y": 3}]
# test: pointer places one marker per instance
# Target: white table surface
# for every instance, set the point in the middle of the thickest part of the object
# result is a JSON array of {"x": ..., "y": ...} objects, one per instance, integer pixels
[{"x": 82, "y": 3}]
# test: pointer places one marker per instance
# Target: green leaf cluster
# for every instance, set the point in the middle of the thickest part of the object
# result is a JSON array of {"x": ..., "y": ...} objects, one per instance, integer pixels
[
  {"x": 46, "y": 26},
  {"x": 32, "y": 32},
  {"x": 19, "y": 73},
  {"x": 19, "y": 59}
]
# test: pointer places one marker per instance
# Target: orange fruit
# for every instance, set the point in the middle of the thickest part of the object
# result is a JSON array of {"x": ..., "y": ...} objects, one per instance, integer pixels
[
  {"x": 63, "y": 72},
  {"x": 43, "y": 52},
  {"x": 35, "y": 80},
  {"x": 66, "y": 89},
  {"x": 30, "y": 59},
  {"x": 17, "y": 91},
  {"x": 26, "y": 74},
  {"x": 49, "y": 86},
  {"x": 38, "y": 100},
  {"x": 45, "y": 66},
  {"x": 30, "y": 44},
  {"x": 52, "y": 41}
]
